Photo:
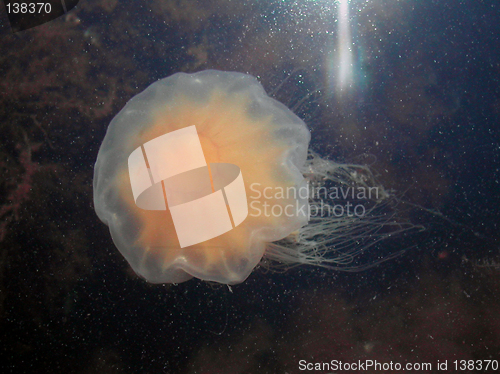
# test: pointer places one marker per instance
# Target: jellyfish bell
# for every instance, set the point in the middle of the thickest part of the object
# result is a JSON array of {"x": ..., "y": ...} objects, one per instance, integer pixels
[
  {"x": 237, "y": 124},
  {"x": 202, "y": 175}
]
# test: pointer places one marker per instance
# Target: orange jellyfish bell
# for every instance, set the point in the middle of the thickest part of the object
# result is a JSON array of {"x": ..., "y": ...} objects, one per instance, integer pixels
[{"x": 194, "y": 176}]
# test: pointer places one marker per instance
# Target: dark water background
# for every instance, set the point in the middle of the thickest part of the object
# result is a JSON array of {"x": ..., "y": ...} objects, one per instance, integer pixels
[{"x": 425, "y": 105}]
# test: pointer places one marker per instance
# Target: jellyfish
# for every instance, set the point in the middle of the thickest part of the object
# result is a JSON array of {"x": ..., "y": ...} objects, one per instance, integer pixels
[{"x": 204, "y": 175}]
